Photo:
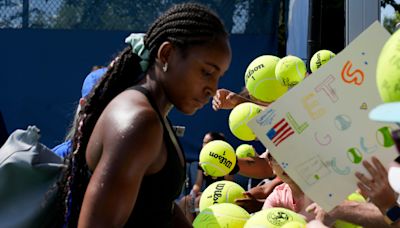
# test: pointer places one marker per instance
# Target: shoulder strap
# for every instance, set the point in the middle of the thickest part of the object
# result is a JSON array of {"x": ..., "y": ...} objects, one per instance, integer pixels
[
  {"x": 166, "y": 123},
  {"x": 150, "y": 99}
]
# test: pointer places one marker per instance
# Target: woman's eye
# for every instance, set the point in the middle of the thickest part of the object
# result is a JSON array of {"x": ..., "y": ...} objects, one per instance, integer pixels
[{"x": 207, "y": 73}]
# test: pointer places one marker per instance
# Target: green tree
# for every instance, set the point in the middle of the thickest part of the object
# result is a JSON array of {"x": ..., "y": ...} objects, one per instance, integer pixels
[
  {"x": 121, "y": 14},
  {"x": 98, "y": 14},
  {"x": 9, "y": 15},
  {"x": 137, "y": 15},
  {"x": 390, "y": 22},
  {"x": 38, "y": 18}
]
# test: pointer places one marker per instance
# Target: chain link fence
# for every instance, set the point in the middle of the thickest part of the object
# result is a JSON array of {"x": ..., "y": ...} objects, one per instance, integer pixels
[{"x": 239, "y": 16}]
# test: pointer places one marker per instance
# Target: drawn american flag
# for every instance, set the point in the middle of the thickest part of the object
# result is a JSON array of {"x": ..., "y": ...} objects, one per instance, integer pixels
[{"x": 279, "y": 132}]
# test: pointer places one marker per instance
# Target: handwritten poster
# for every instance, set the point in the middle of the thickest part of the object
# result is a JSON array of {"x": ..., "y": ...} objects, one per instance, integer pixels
[{"x": 319, "y": 130}]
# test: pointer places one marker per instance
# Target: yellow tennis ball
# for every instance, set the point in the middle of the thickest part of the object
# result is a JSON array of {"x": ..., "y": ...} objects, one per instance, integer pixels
[
  {"x": 388, "y": 69},
  {"x": 217, "y": 158},
  {"x": 260, "y": 79},
  {"x": 273, "y": 218},
  {"x": 239, "y": 117},
  {"x": 220, "y": 192},
  {"x": 357, "y": 197},
  {"x": 320, "y": 58},
  {"x": 290, "y": 70},
  {"x": 245, "y": 150},
  {"x": 221, "y": 216}
]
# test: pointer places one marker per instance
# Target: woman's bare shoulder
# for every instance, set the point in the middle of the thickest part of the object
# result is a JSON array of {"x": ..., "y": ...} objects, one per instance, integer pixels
[{"x": 131, "y": 122}]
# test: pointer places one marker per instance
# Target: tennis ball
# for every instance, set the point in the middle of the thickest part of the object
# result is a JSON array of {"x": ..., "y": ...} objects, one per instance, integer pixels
[
  {"x": 320, "y": 58},
  {"x": 245, "y": 150},
  {"x": 357, "y": 197},
  {"x": 217, "y": 158},
  {"x": 220, "y": 192},
  {"x": 273, "y": 218},
  {"x": 221, "y": 216},
  {"x": 388, "y": 69},
  {"x": 260, "y": 79},
  {"x": 290, "y": 70},
  {"x": 239, "y": 117}
]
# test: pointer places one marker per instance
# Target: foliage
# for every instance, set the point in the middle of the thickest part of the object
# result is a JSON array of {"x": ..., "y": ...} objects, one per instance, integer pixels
[
  {"x": 116, "y": 14},
  {"x": 393, "y": 3},
  {"x": 137, "y": 15},
  {"x": 239, "y": 16},
  {"x": 390, "y": 22}
]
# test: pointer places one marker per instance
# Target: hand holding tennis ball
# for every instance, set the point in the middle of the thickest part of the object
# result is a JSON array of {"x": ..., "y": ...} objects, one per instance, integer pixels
[{"x": 357, "y": 197}]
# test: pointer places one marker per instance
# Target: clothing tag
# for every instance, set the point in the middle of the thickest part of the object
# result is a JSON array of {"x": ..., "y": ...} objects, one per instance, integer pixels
[{"x": 179, "y": 130}]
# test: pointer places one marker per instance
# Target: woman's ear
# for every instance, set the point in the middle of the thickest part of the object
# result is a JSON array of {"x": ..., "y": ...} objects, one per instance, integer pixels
[{"x": 164, "y": 52}]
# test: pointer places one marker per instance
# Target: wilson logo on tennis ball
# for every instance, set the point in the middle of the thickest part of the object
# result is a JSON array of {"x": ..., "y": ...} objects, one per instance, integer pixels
[
  {"x": 218, "y": 192},
  {"x": 250, "y": 72},
  {"x": 217, "y": 158},
  {"x": 318, "y": 62},
  {"x": 221, "y": 159}
]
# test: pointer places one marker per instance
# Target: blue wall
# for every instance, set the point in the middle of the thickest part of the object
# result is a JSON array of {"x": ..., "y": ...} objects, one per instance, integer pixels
[{"x": 42, "y": 72}]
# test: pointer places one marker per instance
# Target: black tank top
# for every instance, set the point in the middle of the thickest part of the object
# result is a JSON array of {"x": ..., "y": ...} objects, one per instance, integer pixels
[{"x": 154, "y": 203}]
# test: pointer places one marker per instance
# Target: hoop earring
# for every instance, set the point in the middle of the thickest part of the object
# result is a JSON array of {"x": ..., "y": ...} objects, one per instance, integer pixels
[{"x": 165, "y": 67}]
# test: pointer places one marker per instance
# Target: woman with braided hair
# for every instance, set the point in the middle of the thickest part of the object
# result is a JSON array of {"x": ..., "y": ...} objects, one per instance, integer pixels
[{"x": 127, "y": 167}]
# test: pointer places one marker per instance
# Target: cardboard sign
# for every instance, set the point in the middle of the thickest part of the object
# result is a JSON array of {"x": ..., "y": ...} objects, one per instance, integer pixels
[{"x": 319, "y": 130}]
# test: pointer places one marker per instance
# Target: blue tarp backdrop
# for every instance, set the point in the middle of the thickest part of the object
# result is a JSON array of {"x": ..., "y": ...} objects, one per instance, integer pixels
[{"x": 43, "y": 70}]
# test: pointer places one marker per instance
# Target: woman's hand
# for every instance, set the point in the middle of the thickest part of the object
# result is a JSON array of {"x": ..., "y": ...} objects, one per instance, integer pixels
[
  {"x": 226, "y": 99},
  {"x": 320, "y": 214},
  {"x": 249, "y": 203}
]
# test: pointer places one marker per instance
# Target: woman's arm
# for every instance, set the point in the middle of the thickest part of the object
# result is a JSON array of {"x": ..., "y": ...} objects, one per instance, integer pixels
[
  {"x": 364, "y": 214},
  {"x": 255, "y": 167},
  {"x": 226, "y": 99},
  {"x": 199, "y": 182},
  {"x": 131, "y": 148},
  {"x": 179, "y": 219},
  {"x": 255, "y": 197}
]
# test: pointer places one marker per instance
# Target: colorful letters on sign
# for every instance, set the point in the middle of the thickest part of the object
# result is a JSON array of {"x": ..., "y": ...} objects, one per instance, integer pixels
[{"x": 319, "y": 130}]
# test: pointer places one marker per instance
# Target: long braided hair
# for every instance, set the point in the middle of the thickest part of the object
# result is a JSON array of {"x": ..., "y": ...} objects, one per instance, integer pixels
[{"x": 184, "y": 25}]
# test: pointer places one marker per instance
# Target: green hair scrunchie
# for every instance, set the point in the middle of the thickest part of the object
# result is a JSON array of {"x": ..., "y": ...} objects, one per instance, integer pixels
[{"x": 136, "y": 40}]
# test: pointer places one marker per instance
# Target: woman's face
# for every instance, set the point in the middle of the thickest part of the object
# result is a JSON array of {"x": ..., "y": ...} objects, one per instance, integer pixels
[{"x": 192, "y": 79}]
